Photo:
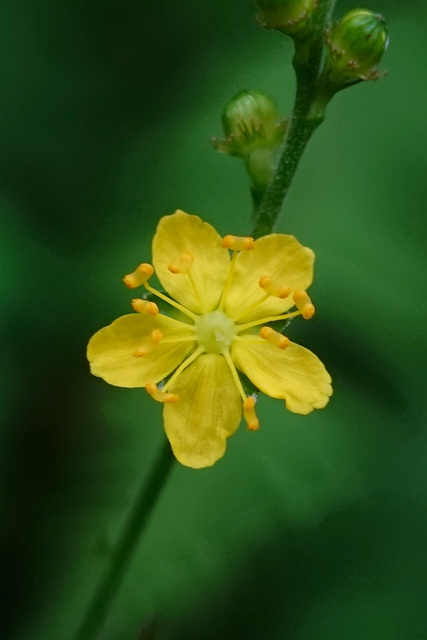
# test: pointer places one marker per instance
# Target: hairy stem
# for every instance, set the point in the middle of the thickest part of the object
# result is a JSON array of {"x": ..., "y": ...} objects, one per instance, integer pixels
[
  {"x": 134, "y": 527},
  {"x": 307, "y": 115}
]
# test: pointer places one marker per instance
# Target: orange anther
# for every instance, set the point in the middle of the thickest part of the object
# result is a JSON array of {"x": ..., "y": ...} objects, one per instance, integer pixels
[
  {"x": 156, "y": 336},
  {"x": 273, "y": 288},
  {"x": 139, "y": 276},
  {"x": 183, "y": 265},
  {"x": 304, "y": 304},
  {"x": 274, "y": 337},
  {"x": 140, "y": 352},
  {"x": 158, "y": 395},
  {"x": 249, "y": 414},
  {"x": 238, "y": 243},
  {"x": 309, "y": 311},
  {"x": 144, "y": 306}
]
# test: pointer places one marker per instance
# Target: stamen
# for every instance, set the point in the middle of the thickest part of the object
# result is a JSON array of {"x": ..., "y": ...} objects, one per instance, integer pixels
[
  {"x": 304, "y": 304},
  {"x": 160, "y": 295},
  {"x": 246, "y": 310},
  {"x": 256, "y": 323},
  {"x": 274, "y": 337},
  {"x": 180, "y": 339},
  {"x": 183, "y": 267},
  {"x": 196, "y": 293},
  {"x": 184, "y": 263},
  {"x": 140, "y": 352},
  {"x": 249, "y": 413},
  {"x": 183, "y": 366},
  {"x": 145, "y": 307},
  {"x": 271, "y": 288},
  {"x": 234, "y": 373},
  {"x": 275, "y": 289},
  {"x": 139, "y": 276},
  {"x": 229, "y": 279},
  {"x": 159, "y": 395},
  {"x": 238, "y": 243},
  {"x": 156, "y": 336},
  {"x": 253, "y": 337}
]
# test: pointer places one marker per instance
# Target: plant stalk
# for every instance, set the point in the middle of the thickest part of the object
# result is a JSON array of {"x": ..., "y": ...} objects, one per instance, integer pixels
[
  {"x": 308, "y": 113},
  {"x": 134, "y": 528}
]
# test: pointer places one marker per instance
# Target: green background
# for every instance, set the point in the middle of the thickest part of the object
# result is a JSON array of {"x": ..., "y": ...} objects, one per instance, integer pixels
[{"x": 313, "y": 528}]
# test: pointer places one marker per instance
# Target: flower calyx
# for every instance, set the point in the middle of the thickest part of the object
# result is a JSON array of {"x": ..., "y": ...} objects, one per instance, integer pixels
[
  {"x": 250, "y": 122},
  {"x": 355, "y": 46},
  {"x": 292, "y": 17}
]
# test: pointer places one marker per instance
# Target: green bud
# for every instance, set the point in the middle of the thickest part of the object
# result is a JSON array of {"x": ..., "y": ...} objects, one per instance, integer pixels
[
  {"x": 250, "y": 121},
  {"x": 356, "y": 45},
  {"x": 290, "y": 16}
]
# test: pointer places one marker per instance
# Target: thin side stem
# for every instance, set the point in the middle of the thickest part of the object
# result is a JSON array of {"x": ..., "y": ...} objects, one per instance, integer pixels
[
  {"x": 134, "y": 527},
  {"x": 307, "y": 115}
]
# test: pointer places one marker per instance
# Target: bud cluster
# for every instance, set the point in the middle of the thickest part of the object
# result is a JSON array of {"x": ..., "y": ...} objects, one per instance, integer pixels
[
  {"x": 354, "y": 45},
  {"x": 328, "y": 57}
]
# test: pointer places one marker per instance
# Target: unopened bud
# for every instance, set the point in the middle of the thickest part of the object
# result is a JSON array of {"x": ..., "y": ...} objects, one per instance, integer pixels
[
  {"x": 290, "y": 16},
  {"x": 250, "y": 121},
  {"x": 356, "y": 45}
]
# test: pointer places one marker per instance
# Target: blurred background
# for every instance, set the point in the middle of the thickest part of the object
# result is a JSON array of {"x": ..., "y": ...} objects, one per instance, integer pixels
[{"x": 313, "y": 528}]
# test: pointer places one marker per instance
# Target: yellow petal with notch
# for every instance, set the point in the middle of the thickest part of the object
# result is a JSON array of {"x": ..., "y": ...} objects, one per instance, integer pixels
[
  {"x": 112, "y": 350},
  {"x": 200, "y": 289},
  {"x": 278, "y": 256},
  {"x": 207, "y": 412},
  {"x": 294, "y": 374}
]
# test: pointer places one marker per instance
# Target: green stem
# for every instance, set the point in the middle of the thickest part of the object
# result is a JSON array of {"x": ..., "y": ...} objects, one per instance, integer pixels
[
  {"x": 134, "y": 527},
  {"x": 307, "y": 115}
]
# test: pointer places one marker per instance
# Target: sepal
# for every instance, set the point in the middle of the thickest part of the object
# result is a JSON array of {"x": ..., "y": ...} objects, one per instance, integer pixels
[
  {"x": 355, "y": 46},
  {"x": 292, "y": 17},
  {"x": 250, "y": 122}
]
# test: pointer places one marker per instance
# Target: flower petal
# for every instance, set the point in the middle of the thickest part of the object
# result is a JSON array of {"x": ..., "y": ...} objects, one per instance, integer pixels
[
  {"x": 282, "y": 258},
  {"x": 181, "y": 233},
  {"x": 110, "y": 351},
  {"x": 295, "y": 373},
  {"x": 207, "y": 412}
]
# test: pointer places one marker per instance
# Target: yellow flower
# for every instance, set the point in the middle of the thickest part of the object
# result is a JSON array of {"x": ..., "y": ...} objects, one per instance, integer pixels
[{"x": 224, "y": 292}]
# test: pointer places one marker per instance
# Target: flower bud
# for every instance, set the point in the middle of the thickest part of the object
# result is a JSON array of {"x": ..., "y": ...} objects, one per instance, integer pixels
[
  {"x": 356, "y": 45},
  {"x": 290, "y": 16},
  {"x": 250, "y": 121}
]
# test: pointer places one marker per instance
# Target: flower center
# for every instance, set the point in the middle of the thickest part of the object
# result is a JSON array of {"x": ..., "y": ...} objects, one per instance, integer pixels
[{"x": 214, "y": 331}]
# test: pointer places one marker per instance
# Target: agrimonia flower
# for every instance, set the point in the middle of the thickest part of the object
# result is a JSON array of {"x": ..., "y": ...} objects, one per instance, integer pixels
[{"x": 223, "y": 295}]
